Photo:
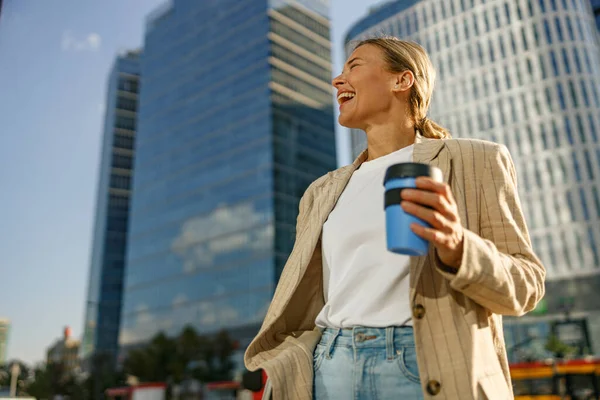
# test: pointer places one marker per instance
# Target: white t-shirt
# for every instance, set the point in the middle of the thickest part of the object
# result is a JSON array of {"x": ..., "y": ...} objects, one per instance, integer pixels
[{"x": 364, "y": 284}]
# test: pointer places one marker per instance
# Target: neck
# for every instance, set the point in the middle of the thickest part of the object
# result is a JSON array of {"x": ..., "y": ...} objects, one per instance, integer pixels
[{"x": 385, "y": 139}]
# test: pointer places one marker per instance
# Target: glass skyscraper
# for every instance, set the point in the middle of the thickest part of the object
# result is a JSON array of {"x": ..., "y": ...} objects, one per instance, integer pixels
[
  {"x": 596, "y": 8},
  {"x": 525, "y": 73},
  {"x": 235, "y": 121},
  {"x": 105, "y": 287}
]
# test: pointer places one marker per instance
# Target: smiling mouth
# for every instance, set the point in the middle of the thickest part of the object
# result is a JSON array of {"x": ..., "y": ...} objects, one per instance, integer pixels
[{"x": 345, "y": 97}]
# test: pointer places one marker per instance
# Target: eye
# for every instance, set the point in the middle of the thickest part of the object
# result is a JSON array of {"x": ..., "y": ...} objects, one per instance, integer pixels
[{"x": 353, "y": 65}]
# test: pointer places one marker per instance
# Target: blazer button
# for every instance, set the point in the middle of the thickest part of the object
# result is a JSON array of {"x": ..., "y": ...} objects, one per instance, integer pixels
[
  {"x": 418, "y": 311},
  {"x": 433, "y": 387}
]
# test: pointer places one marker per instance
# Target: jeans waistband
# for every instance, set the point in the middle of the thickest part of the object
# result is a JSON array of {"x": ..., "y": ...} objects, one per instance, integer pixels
[{"x": 390, "y": 338}]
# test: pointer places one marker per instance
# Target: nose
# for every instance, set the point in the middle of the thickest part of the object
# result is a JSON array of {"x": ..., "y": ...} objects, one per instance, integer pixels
[{"x": 338, "y": 80}]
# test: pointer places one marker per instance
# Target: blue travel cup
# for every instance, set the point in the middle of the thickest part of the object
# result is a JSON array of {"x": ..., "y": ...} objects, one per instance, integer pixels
[{"x": 400, "y": 238}]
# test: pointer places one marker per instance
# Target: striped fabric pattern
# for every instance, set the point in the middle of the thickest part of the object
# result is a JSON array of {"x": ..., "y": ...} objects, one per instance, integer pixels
[{"x": 457, "y": 314}]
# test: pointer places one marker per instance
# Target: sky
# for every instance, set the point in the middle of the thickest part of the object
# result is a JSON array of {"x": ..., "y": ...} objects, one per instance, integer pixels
[{"x": 55, "y": 57}]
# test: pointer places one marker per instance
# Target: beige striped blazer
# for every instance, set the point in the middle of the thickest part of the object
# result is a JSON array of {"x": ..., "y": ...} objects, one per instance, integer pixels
[{"x": 457, "y": 317}]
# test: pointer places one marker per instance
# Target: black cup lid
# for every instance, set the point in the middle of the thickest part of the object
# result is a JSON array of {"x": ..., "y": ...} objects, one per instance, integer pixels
[{"x": 411, "y": 170}]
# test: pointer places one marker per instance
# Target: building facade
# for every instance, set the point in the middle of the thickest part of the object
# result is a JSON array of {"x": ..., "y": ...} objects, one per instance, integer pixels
[
  {"x": 596, "y": 8},
  {"x": 526, "y": 74},
  {"x": 65, "y": 352},
  {"x": 105, "y": 286},
  {"x": 234, "y": 124},
  {"x": 4, "y": 331}
]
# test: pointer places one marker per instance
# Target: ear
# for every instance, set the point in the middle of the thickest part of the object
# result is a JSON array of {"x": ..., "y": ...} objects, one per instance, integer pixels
[{"x": 404, "y": 81}]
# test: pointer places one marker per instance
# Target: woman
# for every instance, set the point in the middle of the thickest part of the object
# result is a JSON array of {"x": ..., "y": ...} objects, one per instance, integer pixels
[{"x": 350, "y": 319}]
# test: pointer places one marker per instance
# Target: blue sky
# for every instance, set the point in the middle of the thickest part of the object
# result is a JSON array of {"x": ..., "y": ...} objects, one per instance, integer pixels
[{"x": 54, "y": 62}]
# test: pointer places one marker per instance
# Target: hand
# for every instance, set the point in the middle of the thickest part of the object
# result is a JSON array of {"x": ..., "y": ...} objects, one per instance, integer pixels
[{"x": 446, "y": 232}]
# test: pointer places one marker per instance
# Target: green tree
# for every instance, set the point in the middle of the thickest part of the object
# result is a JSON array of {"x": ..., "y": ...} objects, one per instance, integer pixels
[{"x": 188, "y": 355}]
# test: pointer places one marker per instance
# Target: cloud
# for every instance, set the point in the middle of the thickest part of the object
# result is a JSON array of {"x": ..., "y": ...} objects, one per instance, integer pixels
[
  {"x": 226, "y": 229},
  {"x": 90, "y": 42}
]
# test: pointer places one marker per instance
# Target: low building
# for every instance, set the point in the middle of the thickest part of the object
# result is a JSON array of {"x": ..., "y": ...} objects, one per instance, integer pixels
[{"x": 65, "y": 352}]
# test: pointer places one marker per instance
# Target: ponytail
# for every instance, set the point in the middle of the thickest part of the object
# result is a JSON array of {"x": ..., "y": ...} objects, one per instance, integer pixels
[{"x": 431, "y": 130}]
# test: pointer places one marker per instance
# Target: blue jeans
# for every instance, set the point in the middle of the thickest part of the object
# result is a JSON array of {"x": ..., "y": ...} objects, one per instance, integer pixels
[{"x": 366, "y": 363}]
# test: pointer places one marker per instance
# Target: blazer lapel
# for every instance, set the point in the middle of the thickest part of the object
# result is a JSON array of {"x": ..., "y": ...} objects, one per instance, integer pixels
[{"x": 428, "y": 151}]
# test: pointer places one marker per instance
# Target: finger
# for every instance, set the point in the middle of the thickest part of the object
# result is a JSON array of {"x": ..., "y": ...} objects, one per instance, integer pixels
[
  {"x": 430, "y": 199},
  {"x": 432, "y": 217},
  {"x": 426, "y": 183},
  {"x": 432, "y": 235}
]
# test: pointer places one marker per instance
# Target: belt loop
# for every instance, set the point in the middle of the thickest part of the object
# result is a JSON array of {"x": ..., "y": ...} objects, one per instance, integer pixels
[
  {"x": 331, "y": 343},
  {"x": 389, "y": 342}
]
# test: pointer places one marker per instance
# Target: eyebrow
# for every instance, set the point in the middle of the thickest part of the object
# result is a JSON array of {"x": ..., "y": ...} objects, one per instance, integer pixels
[{"x": 354, "y": 59}]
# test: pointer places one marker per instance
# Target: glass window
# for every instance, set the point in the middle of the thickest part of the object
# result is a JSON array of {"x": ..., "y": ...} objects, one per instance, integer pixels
[
  {"x": 496, "y": 81},
  {"x": 556, "y": 138},
  {"x": 573, "y": 94},
  {"x": 530, "y": 7},
  {"x": 524, "y": 37},
  {"x": 543, "y": 67},
  {"x": 497, "y": 17},
  {"x": 561, "y": 96},
  {"x": 595, "y": 93},
  {"x": 584, "y": 207},
  {"x": 513, "y": 42},
  {"x": 568, "y": 130},
  {"x": 580, "y": 29},
  {"x": 475, "y": 25},
  {"x": 550, "y": 171},
  {"x": 551, "y": 247},
  {"x": 501, "y": 112},
  {"x": 570, "y": 30},
  {"x": 480, "y": 53},
  {"x": 536, "y": 34},
  {"x": 576, "y": 169},
  {"x": 549, "y": 98},
  {"x": 554, "y": 63},
  {"x": 589, "y": 164},
  {"x": 486, "y": 21},
  {"x": 559, "y": 31},
  {"x": 581, "y": 129},
  {"x": 548, "y": 32},
  {"x": 584, "y": 93},
  {"x": 577, "y": 59},
  {"x": 507, "y": 77},
  {"x": 566, "y": 61},
  {"x": 507, "y": 12},
  {"x": 553, "y": 5},
  {"x": 566, "y": 250},
  {"x": 570, "y": 202},
  {"x": 542, "y": 6},
  {"x": 491, "y": 47},
  {"x": 593, "y": 246},
  {"x": 501, "y": 45},
  {"x": 596, "y": 200},
  {"x": 544, "y": 137},
  {"x": 518, "y": 73},
  {"x": 593, "y": 130},
  {"x": 518, "y": 7}
]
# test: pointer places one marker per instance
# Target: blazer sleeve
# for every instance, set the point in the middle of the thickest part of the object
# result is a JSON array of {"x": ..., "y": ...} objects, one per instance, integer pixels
[{"x": 499, "y": 269}]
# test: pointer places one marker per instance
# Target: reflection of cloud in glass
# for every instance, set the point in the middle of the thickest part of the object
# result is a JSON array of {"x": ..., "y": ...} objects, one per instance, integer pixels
[
  {"x": 224, "y": 230},
  {"x": 143, "y": 315},
  {"x": 212, "y": 314}
]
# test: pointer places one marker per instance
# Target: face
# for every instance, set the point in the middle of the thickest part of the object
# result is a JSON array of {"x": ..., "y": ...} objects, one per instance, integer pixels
[{"x": 365, "y": 88}]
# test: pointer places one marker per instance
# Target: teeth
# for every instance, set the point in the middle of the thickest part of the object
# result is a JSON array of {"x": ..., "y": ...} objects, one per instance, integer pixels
[{"x": 345, "y": 95}]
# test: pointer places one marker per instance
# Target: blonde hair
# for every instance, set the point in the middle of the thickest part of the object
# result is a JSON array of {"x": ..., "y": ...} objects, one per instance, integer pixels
[{"x": 401, "y": 55}]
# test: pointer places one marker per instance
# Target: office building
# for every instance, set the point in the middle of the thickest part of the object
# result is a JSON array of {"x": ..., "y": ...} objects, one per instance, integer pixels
[
  {"x": 526, "y": 74},
  {"x": 4, "y": 331},
  {"x": 596, "y": 8},
  {"x": 235, "y": 121},
  {"x": 105, "y": 287}
]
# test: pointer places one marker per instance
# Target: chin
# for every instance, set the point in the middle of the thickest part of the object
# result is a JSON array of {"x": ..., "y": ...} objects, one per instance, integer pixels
[{"x": 349, "y": 122}]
